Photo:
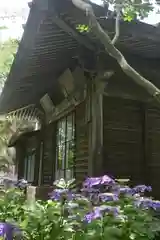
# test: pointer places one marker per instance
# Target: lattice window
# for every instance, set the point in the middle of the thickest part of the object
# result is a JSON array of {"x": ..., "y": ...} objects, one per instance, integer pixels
[{"x": 29, "y": 166}]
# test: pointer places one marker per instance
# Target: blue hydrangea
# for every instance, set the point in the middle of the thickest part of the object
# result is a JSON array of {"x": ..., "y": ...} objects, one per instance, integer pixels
[
  {"x": 59, "y": 194},
  {"x": 141, "y": 189},
  {"x": 94, "y": 181},
  {"x": 8, "y": 231},
  {"x": 104, "y": 197},
  {"x": 21, "y": 184}
]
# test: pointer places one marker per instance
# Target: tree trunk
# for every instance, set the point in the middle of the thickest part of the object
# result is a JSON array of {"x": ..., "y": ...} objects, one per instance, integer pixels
[{"x": 114, "y": 52}]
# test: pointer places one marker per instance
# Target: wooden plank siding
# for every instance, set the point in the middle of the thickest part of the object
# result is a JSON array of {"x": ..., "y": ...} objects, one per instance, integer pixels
[
  {"x": 153, "y": 149},
  {"x": 20, "y": 155},
  {"x": 22, "y": 146},
  {"x": 131, "y": 144},
  {"x": 82, "y": 143},
  {"x": 123, "y": 139},
  {"x": 49, "y": 154}
]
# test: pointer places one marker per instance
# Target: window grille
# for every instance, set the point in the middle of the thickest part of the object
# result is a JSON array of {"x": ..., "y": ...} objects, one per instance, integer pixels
[{"x": 65, "y": 147}]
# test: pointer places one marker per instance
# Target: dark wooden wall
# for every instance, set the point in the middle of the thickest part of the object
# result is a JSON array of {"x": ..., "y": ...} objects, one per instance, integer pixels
[
  {"x": 119, "y": 85},
  {"x": 49, "y": 154},
  {"x": 21, "y": 146},
  {"x": 131, "y": 148},
  {"x": 123, "y": 139},
  {"x": 82, "y": 143},
  {"x": 131, "y": 144},
  {"x": 153, "y": 148},
  {"x": 20, "y": 155}
]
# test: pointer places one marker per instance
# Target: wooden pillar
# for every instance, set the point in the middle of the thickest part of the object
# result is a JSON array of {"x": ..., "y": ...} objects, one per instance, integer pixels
[
  {"x": 49, "y": 154},
  {"x": 40, "y": 163},
  {"x": 37, "y": 158},
  {"x": 145, "y": 146},
  {"x": 96, "y": 151},
  {"x": 20, "y": 154}
]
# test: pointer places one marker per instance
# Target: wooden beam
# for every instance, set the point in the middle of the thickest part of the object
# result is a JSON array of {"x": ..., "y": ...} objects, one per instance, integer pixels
[
  {"x": 82, "y": 40},
  {"x": 67, "y": 82},
  {"x": 67, "y": 105},
  {"x": 145, "y": 138},
  {"x": 97, "y": 127},
  {"x": 40, "y": 164}
]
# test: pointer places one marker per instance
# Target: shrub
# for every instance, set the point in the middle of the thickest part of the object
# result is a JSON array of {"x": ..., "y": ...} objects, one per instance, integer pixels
[{"x": 104, "y": 209}]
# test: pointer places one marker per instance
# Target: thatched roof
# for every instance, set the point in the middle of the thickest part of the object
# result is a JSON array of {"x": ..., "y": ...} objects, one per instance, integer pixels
[{"x": 51, "y": 43}]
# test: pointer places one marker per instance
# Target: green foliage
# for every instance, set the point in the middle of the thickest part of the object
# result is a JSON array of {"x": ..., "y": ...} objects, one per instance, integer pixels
[
  {"x": 82, "y": 28},
  {"x": 6, "y": 160},
  {"x": 7, "y": 131},
  {"x": 7, "y": 52},
  {"x": 103, "y": 210},
  {"x": 131, "y": 10}
]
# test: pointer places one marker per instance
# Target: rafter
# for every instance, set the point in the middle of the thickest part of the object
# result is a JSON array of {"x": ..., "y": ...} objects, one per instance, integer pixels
[{"x": 82, "y": 40}]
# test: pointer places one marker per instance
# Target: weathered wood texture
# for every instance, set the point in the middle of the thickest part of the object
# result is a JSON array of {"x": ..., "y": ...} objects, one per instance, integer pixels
[
  {"x": 123, "y": 143},
  {"x": 49, "y": 150},
  {"x": 119, "y": 85},
  {"x": 20, "y": 154},
  {"x": 81, "y": 151},
  {"x": 22, "y": 147},
  {"x": 33, "y": 143},
  {"x": 153, "y": 149},
  {"x": 96, "y": 134}
]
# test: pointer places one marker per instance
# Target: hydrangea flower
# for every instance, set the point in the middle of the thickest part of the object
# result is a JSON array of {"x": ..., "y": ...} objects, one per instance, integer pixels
[
  {"x": 59, "y": 194},
  {"x": 98, "y": 212},
  {"x": 141, "y": 189},
  {"x": 21, "y": 183},
  {"x": 8, "y": 231},
  {"x": 90, "y": 190},
  {"x": 104, "y": 197},
  {"x": 125, "y": 190},
  {"x": 147, "y": 203},
  {"x": 107, "y": 209},
  {"x": 92, "y": 216},
  {"x": 94, "y": 181}
]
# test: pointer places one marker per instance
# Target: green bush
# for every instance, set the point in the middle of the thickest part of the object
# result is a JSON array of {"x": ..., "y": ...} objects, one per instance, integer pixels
[{"x": 103, "y": 209}]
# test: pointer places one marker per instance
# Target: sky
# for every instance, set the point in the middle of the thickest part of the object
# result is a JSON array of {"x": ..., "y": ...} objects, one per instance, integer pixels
[{"x": 19, "y": 10}]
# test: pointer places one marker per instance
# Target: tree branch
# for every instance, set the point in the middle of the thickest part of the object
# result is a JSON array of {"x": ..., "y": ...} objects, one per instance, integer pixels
[
  {"x": 117, "y": 26},
  {"x": 114, "y": 52}
]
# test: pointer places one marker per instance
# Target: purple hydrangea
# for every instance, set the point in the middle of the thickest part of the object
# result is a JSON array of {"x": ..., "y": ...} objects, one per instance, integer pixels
[
  {"x": 104, "y": 197},
  {"x": 98, "y": 212},
  {"x": 59, "y": 194},
  {"x": 21, "y": 183},
  {"x": 141, "y": 189},
  {"x": 90, "y": 190},
  {"x": 92, "y": 216},
  {"x": 96, "y": 181},
  {"x": 147, "y": 203},
  {"x": 125, "y": 190},
  {"x": 156, "y": 205},
  {"x": 107, "y": 209},
  {"x": 8, "y": 231}
]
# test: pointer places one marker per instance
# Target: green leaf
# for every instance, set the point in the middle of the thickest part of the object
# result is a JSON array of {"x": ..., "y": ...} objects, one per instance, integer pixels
[
  {"x": 71, "y": 184},
  {"x": 82, "y": 28},
  {"x": 60, "y": 183},
  {"x": 112, "y": 232}
]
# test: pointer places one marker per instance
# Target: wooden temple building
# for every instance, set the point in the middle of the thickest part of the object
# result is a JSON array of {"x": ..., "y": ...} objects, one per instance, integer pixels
[{"x": 89, "y": 125}]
